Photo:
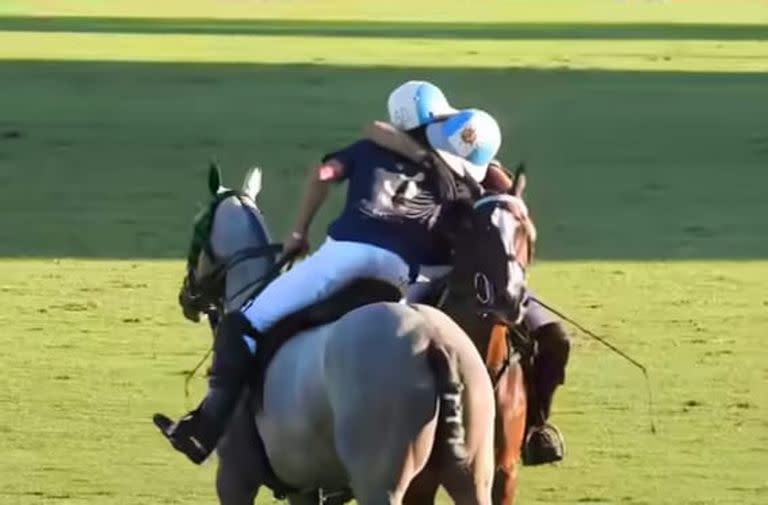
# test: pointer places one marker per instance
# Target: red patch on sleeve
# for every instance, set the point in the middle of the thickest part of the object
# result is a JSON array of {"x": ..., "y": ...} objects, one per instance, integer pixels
[{"x": 328, "y": 173}]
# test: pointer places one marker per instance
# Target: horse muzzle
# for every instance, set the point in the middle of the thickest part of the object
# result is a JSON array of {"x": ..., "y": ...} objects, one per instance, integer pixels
[{"x": 193, "y": 299}]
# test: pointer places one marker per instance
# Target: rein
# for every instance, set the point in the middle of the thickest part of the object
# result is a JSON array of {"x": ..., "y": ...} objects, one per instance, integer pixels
[
  {"x": 519, "y": 349},
  {"x": 510, "y": 357},
  {"x": 207, "y": 286},
  {"x": 261, "y": 283},
  {"x": 249, "y": 253}
]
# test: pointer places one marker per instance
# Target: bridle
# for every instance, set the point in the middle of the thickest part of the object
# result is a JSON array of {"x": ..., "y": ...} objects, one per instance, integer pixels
[
  {"x": 455, "y": 291},
  {"x": 490, "y": 305},
  {"x": 207, "y": 293}
]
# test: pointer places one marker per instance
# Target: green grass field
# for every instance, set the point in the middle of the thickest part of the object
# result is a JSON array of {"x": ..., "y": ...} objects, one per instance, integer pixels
[{"x": 645, "y": 127}]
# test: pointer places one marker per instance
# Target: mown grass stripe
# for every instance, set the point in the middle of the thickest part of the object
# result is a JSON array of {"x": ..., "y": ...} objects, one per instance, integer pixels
[
  {"x": 389, "y": 29},
  {"x": 652, "y": 55}
]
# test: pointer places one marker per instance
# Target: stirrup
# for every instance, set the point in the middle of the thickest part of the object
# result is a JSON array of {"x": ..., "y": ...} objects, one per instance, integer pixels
[{"x": 544, "y": 444}]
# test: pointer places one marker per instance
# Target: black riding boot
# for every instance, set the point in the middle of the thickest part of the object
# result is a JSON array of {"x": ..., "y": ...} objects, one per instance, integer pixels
[
  {"x": 197, "y": 433},
  {"x": 544, "y": 443}
]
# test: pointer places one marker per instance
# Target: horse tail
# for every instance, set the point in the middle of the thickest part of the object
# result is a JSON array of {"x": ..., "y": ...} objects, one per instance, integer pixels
[{"x": 450, "y": 438}]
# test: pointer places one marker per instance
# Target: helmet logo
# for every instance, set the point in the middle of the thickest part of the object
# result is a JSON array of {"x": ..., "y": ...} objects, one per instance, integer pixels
[{"x": 469, "y": 135}]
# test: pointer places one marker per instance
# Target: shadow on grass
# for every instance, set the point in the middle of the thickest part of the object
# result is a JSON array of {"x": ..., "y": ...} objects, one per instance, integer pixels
[
  {"x": 387, "y": 29},
  {"x": 108, "y": 160}
]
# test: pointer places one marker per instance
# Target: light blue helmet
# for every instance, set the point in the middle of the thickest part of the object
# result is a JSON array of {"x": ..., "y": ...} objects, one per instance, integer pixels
[
  {"x": 417, "y": 103},
  {"x": 467, "y": 141}
]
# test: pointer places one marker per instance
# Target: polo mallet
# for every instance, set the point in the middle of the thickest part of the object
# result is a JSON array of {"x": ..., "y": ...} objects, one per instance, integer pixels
[
  {"x": 519, "y": 171},
  {"x": 613, "y": 348}
]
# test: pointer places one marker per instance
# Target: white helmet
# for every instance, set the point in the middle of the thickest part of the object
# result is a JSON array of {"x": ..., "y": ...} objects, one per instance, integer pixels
[
  {"x": 417, "y": 103},
  {"x": 467, "y": 142}
]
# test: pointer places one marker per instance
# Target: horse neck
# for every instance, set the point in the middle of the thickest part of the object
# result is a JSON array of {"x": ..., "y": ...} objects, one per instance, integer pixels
[
  {"x": 460, "y": 307},
  {"x": 235, "y": 229},
  {"x": 241, "y": 279}
]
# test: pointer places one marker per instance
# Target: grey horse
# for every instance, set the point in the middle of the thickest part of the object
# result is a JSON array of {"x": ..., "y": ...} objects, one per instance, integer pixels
[{"x": 364, "y": 402}]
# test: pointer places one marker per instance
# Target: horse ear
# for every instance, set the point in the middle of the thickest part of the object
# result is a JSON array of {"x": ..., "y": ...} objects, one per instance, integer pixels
[
  {"x": 518, "y": 181},
  {"x": 252, "y": 183},
  {"x": 520, "y": 190},
  {"x": 214, "y": 178}
]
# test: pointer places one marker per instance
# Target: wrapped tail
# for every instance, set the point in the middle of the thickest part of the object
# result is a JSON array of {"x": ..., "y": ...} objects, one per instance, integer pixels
[{"x": 450, "y": 439}]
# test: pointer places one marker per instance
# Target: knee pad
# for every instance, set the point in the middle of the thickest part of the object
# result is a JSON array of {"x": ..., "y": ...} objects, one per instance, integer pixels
[
  {"x": 234, "y": 323},
  {"x": 552, "y": 338},
  {"x": 554, "y": 347}
]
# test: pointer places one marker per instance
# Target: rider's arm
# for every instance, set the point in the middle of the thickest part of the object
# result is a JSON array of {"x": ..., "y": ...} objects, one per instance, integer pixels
[
  {"x": 389, "y": 137},
  {"x": 496, "y": 180},
  {"x": 315, "y": 192},
  {"x": 334, "y": 167}
]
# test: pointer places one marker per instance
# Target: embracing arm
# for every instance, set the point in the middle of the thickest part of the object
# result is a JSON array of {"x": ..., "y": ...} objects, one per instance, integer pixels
[
  {"x": 389, "y": 137},
  {"x": 498, "y": 181}
]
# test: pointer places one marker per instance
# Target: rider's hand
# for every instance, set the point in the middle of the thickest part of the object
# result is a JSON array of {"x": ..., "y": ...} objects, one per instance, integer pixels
[{"x": 296, "y": 244}]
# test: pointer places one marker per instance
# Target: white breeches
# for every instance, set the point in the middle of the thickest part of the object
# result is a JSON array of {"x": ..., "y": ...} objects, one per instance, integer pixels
[{"x": 334, "y": 265}]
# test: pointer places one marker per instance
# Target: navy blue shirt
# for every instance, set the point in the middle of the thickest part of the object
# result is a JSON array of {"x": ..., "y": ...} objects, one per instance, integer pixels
[{"x": 391, "y": 202}]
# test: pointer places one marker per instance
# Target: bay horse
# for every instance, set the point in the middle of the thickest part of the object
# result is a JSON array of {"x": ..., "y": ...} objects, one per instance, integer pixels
[{"x": 500, "y": 339}]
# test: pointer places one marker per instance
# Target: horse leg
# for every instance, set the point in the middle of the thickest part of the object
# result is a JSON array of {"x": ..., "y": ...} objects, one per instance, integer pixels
[
  {"x": 510, "y": 432},
  {"x": 469, "y": 486},
  {"x": 385, "y": 450},
  {"x": 238, "y": 476},
  {"x": 423, "y": 488},
  {"x": 382, "y": 468},
  {"x": 383, "y": 488},
  {"x": 303, "y": 499},
  {"x": 470, "y": 482},
  {"x": 232, "y": 489}
]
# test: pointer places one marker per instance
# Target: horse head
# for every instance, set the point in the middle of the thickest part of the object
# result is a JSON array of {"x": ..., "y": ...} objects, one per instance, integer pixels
[
  {"x": 493, "y": 241},
  {"x": 493, "y": 244},
  {"x": 230, "y": 254}
]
